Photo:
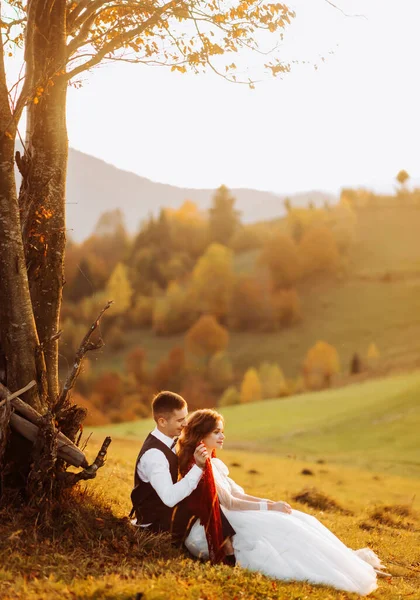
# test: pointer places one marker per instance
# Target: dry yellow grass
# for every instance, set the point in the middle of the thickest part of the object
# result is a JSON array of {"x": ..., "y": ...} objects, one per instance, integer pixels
[{"x": 107, "y": 564}]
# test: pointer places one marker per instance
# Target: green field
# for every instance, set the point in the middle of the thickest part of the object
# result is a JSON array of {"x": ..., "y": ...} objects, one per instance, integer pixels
[{"x": 374, "y": 425}]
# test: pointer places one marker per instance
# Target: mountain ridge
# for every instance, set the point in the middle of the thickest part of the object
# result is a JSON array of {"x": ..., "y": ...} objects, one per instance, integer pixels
[{"x": 95, "y": 186}]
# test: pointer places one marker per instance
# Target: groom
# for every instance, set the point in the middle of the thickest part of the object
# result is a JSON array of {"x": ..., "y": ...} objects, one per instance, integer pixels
[{"x": 158, "y": 496}]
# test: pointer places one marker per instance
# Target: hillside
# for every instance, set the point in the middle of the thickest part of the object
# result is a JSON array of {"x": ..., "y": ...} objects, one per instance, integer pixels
[
  {"x": 373, "y": 425},
  {"x": 376, "y": 300}
]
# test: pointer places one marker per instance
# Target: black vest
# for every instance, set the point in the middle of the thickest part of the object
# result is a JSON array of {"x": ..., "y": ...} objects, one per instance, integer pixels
[{"x": 147, "y": 505}]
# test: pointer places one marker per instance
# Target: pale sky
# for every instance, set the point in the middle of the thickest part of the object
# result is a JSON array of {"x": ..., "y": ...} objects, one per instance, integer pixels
[{"x": 355, "y": 120}]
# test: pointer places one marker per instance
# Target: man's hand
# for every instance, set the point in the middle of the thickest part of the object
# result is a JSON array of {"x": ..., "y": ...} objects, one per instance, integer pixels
[
  {"x": 201, "y": 455},
  {"x": 280, "y": 507}
]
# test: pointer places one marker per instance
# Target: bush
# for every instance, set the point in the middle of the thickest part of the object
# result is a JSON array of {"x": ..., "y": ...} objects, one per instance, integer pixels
[
  {"x": 287, "y": 307},
  {"x": 251, "y": 387},
  {"x": 170, "y": 371},
  {"x": 321, "y": 363},
  {"x": 281, "y": 255},
  {"x": 319, "y": 251},
  {"x": 220, "y": 371},
  {"x": 229, "y": 397},
  {"x": 174, "y": 312},
  {"x": 206, "y": 337},
  {"x": 273, "y": 383},
  {"x": 141, "y": 314}
]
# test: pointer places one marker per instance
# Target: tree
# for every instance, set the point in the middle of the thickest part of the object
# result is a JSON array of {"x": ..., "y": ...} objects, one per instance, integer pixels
[
  {"x": 355, "y": 364},
  {"x": 321, "y": 363},
  {"x": 135, "y": 363},
  {"x": 281, "y": 255},
  {"x": 62, "y": 39},
  {"x": 273, "y": 383},
  {"x": 189, "y": 229},
  {"x": 372, "y": 355},
  {"x": 174, "y": 312},
  {"x": 251, "y": 306},
  {"x": 223, "y": 218},
  {"x": 206, "y": 337},
  {"x": 402, "y": 178},
  {"x": 251, "y": 387},
  {"x": 319, "y": 251},
  {"x": 119, "y": 288},
  {"x": 220, "y": 371},
  {"x": 212, "y": 281},
  {"x": 229, "y": 397},
  {"x": 170, "y": 371}
]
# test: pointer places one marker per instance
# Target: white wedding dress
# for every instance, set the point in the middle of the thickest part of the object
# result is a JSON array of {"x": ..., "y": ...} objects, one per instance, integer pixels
[{"x": 290, "y": 547}]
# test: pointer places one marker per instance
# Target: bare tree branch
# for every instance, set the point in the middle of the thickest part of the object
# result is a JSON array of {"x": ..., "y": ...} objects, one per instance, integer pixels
[
  {"x": 70, "y": 479},
  {"x": 342, "y": 11},
  {"x": 84, "y": 347}
]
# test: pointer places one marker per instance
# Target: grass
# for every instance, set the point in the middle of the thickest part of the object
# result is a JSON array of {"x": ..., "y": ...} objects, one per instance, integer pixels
[
  {"x": 96, "y": 559},
  {"x": 374, "y": 425}
]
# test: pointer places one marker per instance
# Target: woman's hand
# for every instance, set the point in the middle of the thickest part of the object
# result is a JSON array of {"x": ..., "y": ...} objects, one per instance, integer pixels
[
  {"x": 280, "y": 507},
  {"x": 201, "y": 455}
]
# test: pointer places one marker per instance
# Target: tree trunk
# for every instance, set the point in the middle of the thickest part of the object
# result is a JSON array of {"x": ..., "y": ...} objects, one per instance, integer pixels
[
  {"x": 21, "y": 355},
  {"x": 43, "y": 167}
]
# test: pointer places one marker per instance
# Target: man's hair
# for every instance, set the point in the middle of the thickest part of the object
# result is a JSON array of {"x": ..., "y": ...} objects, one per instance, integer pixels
[{"x": 164, "y": 403}]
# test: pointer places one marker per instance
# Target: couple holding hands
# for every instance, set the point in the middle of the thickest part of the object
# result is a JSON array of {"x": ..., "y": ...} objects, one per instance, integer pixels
[{"x": 181, "y": 487}]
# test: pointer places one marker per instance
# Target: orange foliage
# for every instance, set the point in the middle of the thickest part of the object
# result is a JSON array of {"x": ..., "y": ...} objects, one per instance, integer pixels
[
  {"x": 170, "y": 371},
  {"x": 94, "y": 416},
  {"x": 281, "y": 255},
  {"x": 319, "y": 251},
  {"x": 287, "y": 307},
  {"x": 197, "y": 393},
  {"x": 321, "y": 363},
  {"x": 135, "y": 364},
  {"x": 206, "y": 337}
]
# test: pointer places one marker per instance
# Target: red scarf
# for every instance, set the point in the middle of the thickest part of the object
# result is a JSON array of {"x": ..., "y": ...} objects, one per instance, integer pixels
[{"x": 204, "y": 503}]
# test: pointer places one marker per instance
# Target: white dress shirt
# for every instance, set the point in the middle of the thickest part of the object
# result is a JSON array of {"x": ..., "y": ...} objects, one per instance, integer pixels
[{"x": 153, "y": 468}]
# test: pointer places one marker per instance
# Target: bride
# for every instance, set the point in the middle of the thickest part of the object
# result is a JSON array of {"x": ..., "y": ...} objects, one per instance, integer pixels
[{"x": 271, "y": 537}]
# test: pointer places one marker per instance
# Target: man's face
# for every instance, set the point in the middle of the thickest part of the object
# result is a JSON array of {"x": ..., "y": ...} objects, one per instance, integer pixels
[{"x": 173, "y": 424}]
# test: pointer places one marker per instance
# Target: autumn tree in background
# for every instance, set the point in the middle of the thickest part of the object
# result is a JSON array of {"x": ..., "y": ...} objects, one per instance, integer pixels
[
  {"x": 212, "y": 281},
  {"x": 119, "y": 288},
  {"x": 320, "y": 365},
  {"x": 220, "y": 371},
  {"x": 174, "y": 311},
  {"x": 372, "y": 355},
  {"x": 281, "y": 255},
  {"x": 273, "y": 383},
  {"x": 170, "y": 371},
  {"x": 223, "y": 218},
  {"x": 205, "y": 338},
  {"x": 402, "y": 178},
  {"x": 230, "y": 396},
  {"x": 62, "y": 39},
  {"x": 135, "y": 363},
  {"x": 251, "y": 387},
  {"x": 319, "y": 251},
  {"x": 250, "y": 306},
  {"x": 287, "y": 307}
]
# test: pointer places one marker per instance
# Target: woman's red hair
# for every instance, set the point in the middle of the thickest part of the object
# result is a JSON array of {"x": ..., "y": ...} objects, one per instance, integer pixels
[{"x": 203, "y": 501}]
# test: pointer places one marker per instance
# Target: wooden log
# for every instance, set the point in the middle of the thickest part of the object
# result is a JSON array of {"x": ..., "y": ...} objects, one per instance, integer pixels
[{"x": 65, "y": 448}]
